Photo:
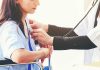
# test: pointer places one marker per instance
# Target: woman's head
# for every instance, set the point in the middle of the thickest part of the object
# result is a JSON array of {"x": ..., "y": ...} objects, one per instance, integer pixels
[
  {"x": 14, "y": 9},
  {"x": 28, "y": 6}
]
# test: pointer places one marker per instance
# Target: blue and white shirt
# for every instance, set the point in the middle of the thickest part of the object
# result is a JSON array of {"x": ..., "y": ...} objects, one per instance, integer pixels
[{"x": 11, "y": 39}]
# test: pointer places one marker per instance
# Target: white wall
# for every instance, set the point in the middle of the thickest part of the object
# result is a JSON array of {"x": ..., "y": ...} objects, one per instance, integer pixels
[
  {"x": 86, "y": 3},
  {"x": 65, "y": 13},
  {"x": 60, "y": 12}
]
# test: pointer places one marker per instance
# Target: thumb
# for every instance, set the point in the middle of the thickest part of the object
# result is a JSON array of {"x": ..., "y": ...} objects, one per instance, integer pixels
[{"x": 31, "y": 21}]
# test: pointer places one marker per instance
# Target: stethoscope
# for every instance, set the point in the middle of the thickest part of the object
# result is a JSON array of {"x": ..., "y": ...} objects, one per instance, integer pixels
[{"x": 93, "y": 4}]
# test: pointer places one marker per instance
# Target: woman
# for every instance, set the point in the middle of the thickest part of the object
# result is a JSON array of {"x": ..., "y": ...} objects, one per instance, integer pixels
[{"x": 15, "y": 39}]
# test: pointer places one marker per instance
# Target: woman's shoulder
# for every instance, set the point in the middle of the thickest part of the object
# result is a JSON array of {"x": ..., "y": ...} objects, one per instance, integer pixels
[
  {"x": 8, "y": 26},
  {"x": 9, "y": 23}
]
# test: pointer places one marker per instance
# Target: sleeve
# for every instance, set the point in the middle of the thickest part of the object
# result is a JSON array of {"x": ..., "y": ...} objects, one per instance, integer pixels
[
  {"x": 94, "y": 36},
  {"x": 60, "y": 31},
  {"x": 76, "y": 42},
  {"x": 10, "y": 39},
  {"x": 88, "y": 22}
]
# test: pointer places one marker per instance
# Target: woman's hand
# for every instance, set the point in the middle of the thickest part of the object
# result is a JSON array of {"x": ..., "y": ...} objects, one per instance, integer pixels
[
  {"x": 47, "y": 55},
  {"x": 47, "y": 51}
]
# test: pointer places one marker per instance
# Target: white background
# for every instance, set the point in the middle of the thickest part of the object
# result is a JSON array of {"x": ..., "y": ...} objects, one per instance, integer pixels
[
  {"x": 59, "y": 12},
  {"x": 65, "y": 13}
]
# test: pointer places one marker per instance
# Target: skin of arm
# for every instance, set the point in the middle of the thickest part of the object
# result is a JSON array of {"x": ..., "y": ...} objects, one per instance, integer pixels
[{"x": 25, "y": 56}]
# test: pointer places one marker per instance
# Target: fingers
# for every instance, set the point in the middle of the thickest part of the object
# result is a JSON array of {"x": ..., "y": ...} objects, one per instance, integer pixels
[
  {"x": 34, "y": 26},
  {"x": 31, "y": 21},
  {"x": 37, "y": 30},
  {"x": 50, "y": 50},
  {"x": 41, "y": 36},
  {"x": 35, "y": 33},
  {"x": 43, "y": 46},
  {"x": 42, "y": 60}
]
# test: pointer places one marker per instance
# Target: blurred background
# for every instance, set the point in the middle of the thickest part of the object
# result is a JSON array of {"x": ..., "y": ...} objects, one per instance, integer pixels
[{"x": 65, "y": 13}]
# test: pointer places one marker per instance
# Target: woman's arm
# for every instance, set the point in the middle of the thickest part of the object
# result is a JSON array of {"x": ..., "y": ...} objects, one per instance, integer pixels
[
  {"x": 25, "y": 56},
  {"x": 13, "y": 47}
]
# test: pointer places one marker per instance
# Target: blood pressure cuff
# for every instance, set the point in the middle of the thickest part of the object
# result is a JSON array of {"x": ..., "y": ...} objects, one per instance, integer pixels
[{"x": 75, "y": 42}]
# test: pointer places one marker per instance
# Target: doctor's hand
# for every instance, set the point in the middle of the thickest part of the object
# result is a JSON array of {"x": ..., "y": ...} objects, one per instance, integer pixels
[
  {"x": 35, "y": 25},
  {"x": 42, "y": 37}
]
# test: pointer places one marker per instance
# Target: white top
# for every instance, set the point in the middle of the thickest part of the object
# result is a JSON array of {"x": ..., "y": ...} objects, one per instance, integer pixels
[
  {"x": 87, "y": 28},
  {"x": 11, "y": 39}
]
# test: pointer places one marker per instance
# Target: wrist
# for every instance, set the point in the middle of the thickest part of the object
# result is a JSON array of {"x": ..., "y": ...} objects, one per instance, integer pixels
[
  {"x": 51, "y": 41},
  {"x": 46, "y": 27},
  {"x": 44, "y": 52}
]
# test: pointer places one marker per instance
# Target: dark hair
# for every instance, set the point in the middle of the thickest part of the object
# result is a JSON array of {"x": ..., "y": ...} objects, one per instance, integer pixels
[
  {"x": 10, "y": 10},
  {"x": 97, "y": 13}
]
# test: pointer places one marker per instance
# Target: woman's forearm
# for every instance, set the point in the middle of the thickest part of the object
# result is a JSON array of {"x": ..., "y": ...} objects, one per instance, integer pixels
[{"x": 25, "y": 56}]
